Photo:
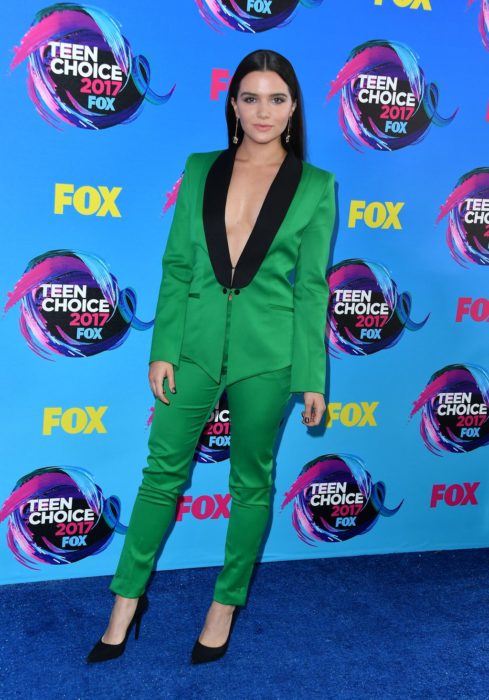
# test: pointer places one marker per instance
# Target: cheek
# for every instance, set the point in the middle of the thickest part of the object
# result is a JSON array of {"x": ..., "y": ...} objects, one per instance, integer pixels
[
  {"x": 247, "y": 111},
  {"x": 282, "y": 110}
]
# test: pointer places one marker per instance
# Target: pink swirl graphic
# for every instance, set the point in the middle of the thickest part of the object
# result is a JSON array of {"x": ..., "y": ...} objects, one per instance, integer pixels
[
  {"x": 335, "y": 499},
  {"x": 483, "y": 21},
  {"x": 80, "y": 69},
  {"x": 467, "y": 208},
  {"x": 171, "y": 197},
  {"x": 454, "y": 409},
  {"x": 250, "y": 16},
  {"x": 385, "y": 102},
  {"x": 58, "y": 515},
  {"x": 71, "y": 305}
]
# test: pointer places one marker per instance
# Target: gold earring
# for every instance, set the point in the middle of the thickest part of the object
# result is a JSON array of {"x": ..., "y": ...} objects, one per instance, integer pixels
[
  {"x": 287, "y": 138},
  {"x": 235, "y": 137}
]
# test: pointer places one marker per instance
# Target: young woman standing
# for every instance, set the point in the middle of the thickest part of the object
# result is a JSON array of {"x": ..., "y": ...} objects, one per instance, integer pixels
[{"x": 229, "y": 317}]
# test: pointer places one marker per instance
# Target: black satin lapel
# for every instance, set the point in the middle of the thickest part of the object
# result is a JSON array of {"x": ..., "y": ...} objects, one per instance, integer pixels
[
  {"x": 270, "y": 218},
  {"x": 214, "y": 203}
]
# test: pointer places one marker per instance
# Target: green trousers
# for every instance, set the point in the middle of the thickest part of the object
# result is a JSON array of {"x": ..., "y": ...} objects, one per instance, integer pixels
[{"x": 256, "y": 406}]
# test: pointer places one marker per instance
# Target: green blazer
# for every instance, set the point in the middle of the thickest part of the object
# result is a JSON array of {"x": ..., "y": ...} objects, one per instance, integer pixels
[{"x": 279, "y": 291}]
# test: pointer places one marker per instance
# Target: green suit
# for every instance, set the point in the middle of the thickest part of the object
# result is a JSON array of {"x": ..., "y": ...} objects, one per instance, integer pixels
[
  {"x": 274, "y": 323},
  {"x": 260, "y": 338}
]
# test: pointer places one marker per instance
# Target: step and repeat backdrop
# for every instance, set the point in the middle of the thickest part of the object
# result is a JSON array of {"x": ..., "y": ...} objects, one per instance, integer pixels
[{"x": 102, "y": 105}]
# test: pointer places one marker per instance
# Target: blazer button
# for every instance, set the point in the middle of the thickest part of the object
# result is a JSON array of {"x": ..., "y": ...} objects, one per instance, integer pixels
[
  {"x": 224, "y": 290},
  {"x": 236, "y": 291}
]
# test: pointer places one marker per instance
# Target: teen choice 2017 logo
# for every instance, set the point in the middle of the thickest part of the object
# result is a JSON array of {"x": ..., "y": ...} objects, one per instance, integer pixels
[
  {"x": 58, "y": 515},
  {"x": 250, "y": 15},
  {"x": 454, "y": 409},
  {"x": 214, "y": 443},
  {"x": 335, "y": 499},
  {"x": 80, "y": 68},
  {"x": 215, "y": 440},
  {"x": 71, "y": 305},
  {"x": 366, "y": 313},
  {"x": 467, "y": 208},
  {"x": 385, "y": 101}
]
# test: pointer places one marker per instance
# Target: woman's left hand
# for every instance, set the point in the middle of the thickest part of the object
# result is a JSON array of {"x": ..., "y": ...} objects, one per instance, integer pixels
[{"x": 314, "y": 408}]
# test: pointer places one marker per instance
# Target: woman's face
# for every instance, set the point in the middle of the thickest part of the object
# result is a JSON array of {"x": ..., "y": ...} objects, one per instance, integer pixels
[{"x": 263, "y": 105}]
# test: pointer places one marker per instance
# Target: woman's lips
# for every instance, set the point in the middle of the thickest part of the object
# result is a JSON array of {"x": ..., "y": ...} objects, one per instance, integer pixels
[{"x": 263, "y": 127}]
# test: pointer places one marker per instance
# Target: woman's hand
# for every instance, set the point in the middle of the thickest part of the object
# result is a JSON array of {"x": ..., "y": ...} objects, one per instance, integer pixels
[
  {"x": 158, "y": 372},
  {"x": 314, "y": 408}
]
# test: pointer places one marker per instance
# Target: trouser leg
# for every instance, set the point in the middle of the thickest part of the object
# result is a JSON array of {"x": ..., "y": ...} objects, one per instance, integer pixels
[
  {"x": 175, "y": 431},
  {"x": 256, "y": 406}
]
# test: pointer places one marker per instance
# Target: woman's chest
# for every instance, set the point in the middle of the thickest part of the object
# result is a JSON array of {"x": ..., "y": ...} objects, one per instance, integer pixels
[
  {"x": 248, "y": 189},
  {"x": 242, "y": 221}
]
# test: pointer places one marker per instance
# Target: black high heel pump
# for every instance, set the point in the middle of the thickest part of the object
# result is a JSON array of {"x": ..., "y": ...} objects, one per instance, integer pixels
[
  {"x": 202, "y": 654},
  {"x": 104, "y": 652}
]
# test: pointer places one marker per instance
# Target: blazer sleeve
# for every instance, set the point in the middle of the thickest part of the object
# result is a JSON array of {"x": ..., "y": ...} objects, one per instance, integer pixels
[
  {"x": 177, "y": 274},
  {"x": 311, "y": 295}
]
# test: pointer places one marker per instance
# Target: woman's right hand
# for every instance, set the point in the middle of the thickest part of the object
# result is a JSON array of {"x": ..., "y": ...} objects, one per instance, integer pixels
[{"x": 158, "y": 372}]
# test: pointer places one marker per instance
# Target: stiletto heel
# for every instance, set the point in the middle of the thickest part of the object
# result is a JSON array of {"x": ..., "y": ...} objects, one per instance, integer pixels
[
  {"x": 104, "y": 652},
  {"x": 202, "y": 654},
  {"x": 137, "y": 627}
]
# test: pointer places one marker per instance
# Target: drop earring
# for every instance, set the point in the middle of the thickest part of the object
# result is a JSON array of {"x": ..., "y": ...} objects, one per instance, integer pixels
[
  {"x": 235, "y": 137},
  {"x": 287, "y": 138}
]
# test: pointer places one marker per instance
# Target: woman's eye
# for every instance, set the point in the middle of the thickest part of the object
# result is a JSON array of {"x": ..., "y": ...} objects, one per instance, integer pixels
[{"x": 275, "y": 100}]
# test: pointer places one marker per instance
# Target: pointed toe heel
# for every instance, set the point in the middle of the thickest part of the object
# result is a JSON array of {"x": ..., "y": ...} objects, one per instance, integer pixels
[
  {"x": 202, "y": 654},
  {"x": 105, "y": 652}
]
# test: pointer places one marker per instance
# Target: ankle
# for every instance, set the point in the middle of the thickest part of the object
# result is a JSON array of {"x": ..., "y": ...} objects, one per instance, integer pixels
[
  {"x": 223, "y": 607},
  {"x": 122, "y": 602},
  {"x": 122, "y": 612}
]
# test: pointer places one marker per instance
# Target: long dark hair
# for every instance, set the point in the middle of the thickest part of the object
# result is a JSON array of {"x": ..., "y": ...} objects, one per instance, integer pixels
[{"x": 264, "y": 59}]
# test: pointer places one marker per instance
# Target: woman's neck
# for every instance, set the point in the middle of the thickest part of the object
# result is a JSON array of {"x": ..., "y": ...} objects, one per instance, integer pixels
[{"x": 261, "y": 153}]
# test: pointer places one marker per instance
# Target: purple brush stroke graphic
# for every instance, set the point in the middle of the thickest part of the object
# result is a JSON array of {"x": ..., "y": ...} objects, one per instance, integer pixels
[
  {"x": 328, "y": 469},
  {"x": 92, "y": 27},
  {"x": 368, "y": 276},
  {"x": 74, "y": 267},
  {"x": 464, "y": 247},
  {"x": 218, "y": 13},
  {"x": 438, "y": 436},
  {"x": 395, "y": 60},
  {"x": 58, "y": 482}
]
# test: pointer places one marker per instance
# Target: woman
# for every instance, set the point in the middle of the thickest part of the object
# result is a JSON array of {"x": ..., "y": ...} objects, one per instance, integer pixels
[{"x": 228, "y": 317}]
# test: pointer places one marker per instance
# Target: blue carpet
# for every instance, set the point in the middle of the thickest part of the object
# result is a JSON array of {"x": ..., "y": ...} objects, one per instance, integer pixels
[{"x": 394, "y": 626}]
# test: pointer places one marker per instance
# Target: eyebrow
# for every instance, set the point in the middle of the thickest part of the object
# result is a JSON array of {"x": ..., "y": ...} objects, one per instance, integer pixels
[{"x": 273, "y": 94}]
